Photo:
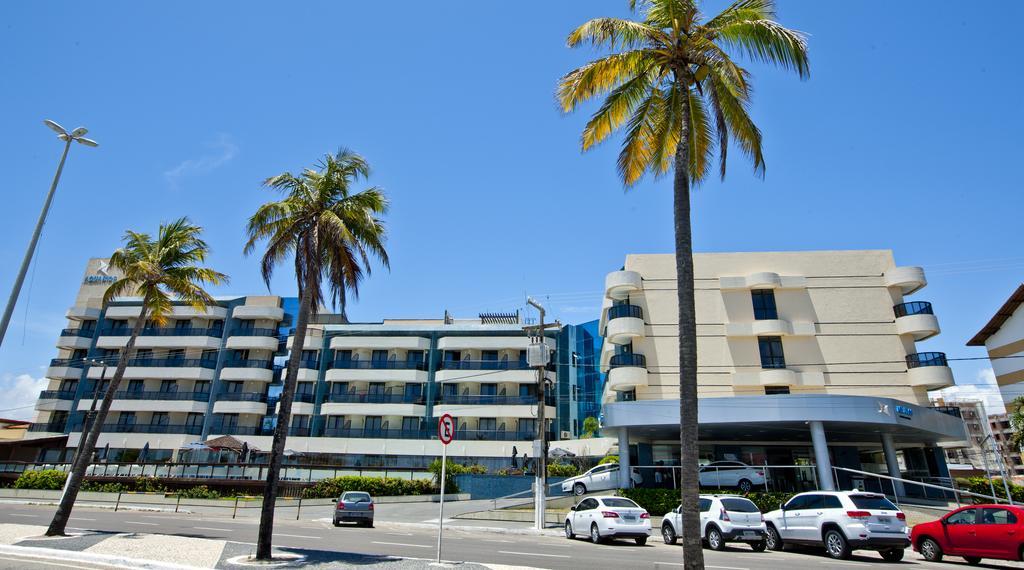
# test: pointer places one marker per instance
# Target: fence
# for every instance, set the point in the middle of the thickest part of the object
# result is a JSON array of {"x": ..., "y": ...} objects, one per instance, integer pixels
[
  {"x": 899, "y": 488},
  {"x": 770, "y": 478},
  {"x": 221, "y": 472}
]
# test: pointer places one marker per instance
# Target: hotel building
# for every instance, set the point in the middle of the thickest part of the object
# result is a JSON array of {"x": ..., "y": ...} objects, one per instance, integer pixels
[
  {"x": 803, "y": 358},
  {"x": 368, "y": 394}
]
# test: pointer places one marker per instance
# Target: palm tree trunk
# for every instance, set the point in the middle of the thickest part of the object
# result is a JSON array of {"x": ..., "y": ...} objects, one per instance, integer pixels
[
  {"x": 264, "y": 540},
  {"x": 88, "y": 445},
  {"x": 689, "y": 484}
]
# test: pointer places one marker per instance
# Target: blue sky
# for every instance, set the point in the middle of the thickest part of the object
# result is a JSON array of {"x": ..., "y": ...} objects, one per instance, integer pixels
[{"x": 901, "y": 139}]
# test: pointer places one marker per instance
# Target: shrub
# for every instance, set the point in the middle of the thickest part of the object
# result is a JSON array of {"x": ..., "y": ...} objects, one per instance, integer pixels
[
  {"x": 608, "y": 459},
  {"x": 46, "y": 479},
  {"x": 95, "y": 487},
  {"x": 200, "y": 492},
  {"x": 981, "y": 486},
  {"x": 375, "y": 486},
  {"x": 660, "y": 501},
  {"x": 562, "y": 470}
]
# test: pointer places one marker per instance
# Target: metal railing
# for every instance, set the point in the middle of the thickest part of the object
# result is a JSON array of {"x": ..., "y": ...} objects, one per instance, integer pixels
[
  {"x": 484, "y": 365},
  {"x": 763, "y": 477},
  {"x": 154, "y": 395},
  {"x": 380, "y": 433},
  {"x": 241, "y": 397},
  {"x": 57, "y": 395},
  {"x": 912, "y": 308},
  {"x": 254, "y": 332},
  {"x": 144, "y": 428},
  {"x": 351, "y": 364},
  {"x": 249, "y": 363},
  {"x": 49, "y": 427},
  {"x": 898, "y": 487},
  {"x": 629, "y": 359},
  {"x": 773, "y": 362},
  {"x": 235, "y": 430},
  {"x": 72, "y": 362},
  {"x": 621, "y": 311},
  {"x": 375, "y": 398},
  {"x": 920, "y": 359},
  {"x": 174, "y": 362},
  {"x": 476, "y": 399},
  {"x": 84, "y": 333},
  {"x": 493, "y": 435}
]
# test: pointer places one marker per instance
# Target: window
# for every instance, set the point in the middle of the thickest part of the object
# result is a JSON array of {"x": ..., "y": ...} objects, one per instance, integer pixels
[
  {"x": 528, "y": 426},
  {"x": 379, "y": 357},
  {"x": 375, "y": 388},
  {"x": 135, "y": 386},
  {"x": 770, "y": 348},
  {"x": 309, "y": 355},
  {"x": 414, "y": 358},
  {"x": 619, "y": 502},
  {"x": 69, "y": 385},
  {"x": 872, "y": 503},
  {"x": 343, "y": 357},
  {"x": 335, "y": 422},
  {"x": 799, "y": 502},
  {"x": 764, "y": 304},
  {"x": 490, "y": 359},
  {"x": 143, "y": 354},
  {"x": 997, "y": 516},
  {"x": 233, "y": 387},
  {"x": 160, "y": 419},
  {"x": 182, "y": 325},
  {"x": 966, "y": 516},
  {"x": 740, "y": 506},
  {"x": 705, "y": 505},
  {"x": 209, "y": 355},
  {"x": 830, "y": 502},
  {"x": 413, "y": 392},
  {"x": 168, "y": 386},
  {"x": 300, "y": 421},
  {"x": 126, "y": 419},
  {"x": 773, "y": 390},
  {"x": 194, "y": 419},
  {"x": 449, "y": 390},
  {"x": 488, "y": 424},
  {"x": 488, "y": 389},
  {"x": 202, "y": 387},
  {"x": 372, "y": 423},
  {"x": 176, "y": 354},
  {"x": 339, "y": 387},
  {"x": 528, "y": 391},
  {"x": 587, "y": 504},
  {"x": 230, "y": 421},
  {"x": 410, "y": 425}
]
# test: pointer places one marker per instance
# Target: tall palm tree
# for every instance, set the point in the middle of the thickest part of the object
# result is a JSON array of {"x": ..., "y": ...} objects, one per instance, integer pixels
[
  {"x": 670, "y": 79},
  {"x": 161, "y": 271},
  {"x": 331, "y": 232}
]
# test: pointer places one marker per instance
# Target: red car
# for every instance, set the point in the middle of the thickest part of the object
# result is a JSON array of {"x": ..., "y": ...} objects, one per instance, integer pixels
[{"x": 974, "y": 532}]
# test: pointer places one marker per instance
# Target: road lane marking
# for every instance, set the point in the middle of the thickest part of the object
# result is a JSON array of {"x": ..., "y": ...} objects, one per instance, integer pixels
[
  {"x": 19, "y": 515},
  {"x": 139, "y": 522},
  {"x": 81, "y": 519},
  {"x": 402, "y": 544},
  {"x": 399, "y": 533},
  {"x": 533, "y": 554},
  {"x": 298, "y": 536},
  {"x": 216, "y": 529},
  {"x": 494, "y": 540}
]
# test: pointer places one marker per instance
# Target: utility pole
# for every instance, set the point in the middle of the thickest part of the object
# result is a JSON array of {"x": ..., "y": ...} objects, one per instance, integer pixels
[{"x": 539, "y": 361}]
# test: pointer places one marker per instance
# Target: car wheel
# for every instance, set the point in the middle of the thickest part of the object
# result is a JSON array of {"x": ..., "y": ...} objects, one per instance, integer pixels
[
  {"x": 758, "y": 546},
  {"x": 568, "y": 531},
  {"x": 336, "y": 523},
  {"x": 836, "y": 545},
  {"x": 973, "y": 560},
  {"x": 640, "y": 540},
  {"x": 772, "y": 539},
  {"x": 579, "y": 489},
  {"x": 595, "y": 535},
  {"x": 745, "y": 486},
  {"x": 668, "y": 534},
  {"x": 893, "y": 555},
  {"x": 714, "y": 538},
  {"x": 930, "y": 550}
]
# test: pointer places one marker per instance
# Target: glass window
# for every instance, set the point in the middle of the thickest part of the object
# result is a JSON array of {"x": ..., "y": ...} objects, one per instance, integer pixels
[
  {"x": 873, "y": 502},
  {"x": 764, "y": 304},
  {"x": 966, "y": 516},
  {"x": 379, "y": 356},
  {"x": 488, "y": 424},
  {"x": 488, "y": 389},
  {"x": 372, "y": 423},
  {"x": 739, "y": 506},
  {"x": 770, "y": 348},
  {"x": 798, "y": 503},
  {"x": 620, "y": 502},
  {"x": 997, "y": 516},
  {"x": 160, "y": 419},
  {"x": 194, "y": 419},
  {"x": 830, "y": 502},
  {"x": 410, "y": 424},
  {"x": 773, "y": 390},
  {"x": 705, "y": 505},
  {"x": 450, "y": 390},
  {"x": 126, "y": 419},
  {"x": 356, "y": 497},
  {"x": 304, "y": 388},
  {"x": 135, "y": 386},
  {"x": 339, "y": 387},
  {"x": 167, "y": 386}
]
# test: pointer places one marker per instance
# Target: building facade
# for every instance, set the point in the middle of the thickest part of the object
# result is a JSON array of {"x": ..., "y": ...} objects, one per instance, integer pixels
[
  {"x": 367, "y": 394},
  {"x": 1008, "y": 453},
  {"x": 1003, "y": 338},
  {"x": 804, "y": 358}
]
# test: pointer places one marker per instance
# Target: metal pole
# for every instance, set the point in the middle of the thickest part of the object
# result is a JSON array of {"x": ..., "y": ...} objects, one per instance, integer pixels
[
  {"x": 16, "y": 290},
  {"x": 988, "y": 474},
  {"x": 540, "y": 497},
  {"x": 1002, "y": 471},
  {"x": 440, "y": 514}
]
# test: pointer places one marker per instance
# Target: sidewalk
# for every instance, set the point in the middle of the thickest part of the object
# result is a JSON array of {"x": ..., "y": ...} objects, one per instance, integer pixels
[{"x": 167, "y": 552}]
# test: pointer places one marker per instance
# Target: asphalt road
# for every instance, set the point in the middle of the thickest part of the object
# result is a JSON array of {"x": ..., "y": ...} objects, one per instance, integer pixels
[{"x": 459, "y": 545}]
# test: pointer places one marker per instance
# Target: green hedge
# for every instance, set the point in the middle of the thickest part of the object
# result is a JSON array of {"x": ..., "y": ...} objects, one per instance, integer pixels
[
  {"x": 660, "y": 501},
  {"x": 375, "y": 486},
  {"x": 981, "y": 485},
  {"x": 46, "y": 479}
]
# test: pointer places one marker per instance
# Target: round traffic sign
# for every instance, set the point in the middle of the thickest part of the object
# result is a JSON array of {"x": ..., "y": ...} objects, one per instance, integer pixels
[{"x": 446, "y": 428}]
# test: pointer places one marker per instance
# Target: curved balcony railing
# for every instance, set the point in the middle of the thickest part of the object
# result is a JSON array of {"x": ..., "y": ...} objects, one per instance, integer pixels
[
  {"x": 254, "y": 332},
  {"x": 163, "y": 331},
  {"x": 174, "y": 362},
  {"x": 84, "y": 333},
  {"x": 249, "y": 363},
  {"x": 72, "y": 362},
  {"x": 375, "y": 398},
  {"x": 57, "y": 395},
  {"x": 632, "y": 359},
  {"x": 347, "y": 363},
  {"x": 241, "y": 397},
  {"x": 913, "y": 308},
  {"x": 622, "y": 311},
  {"x": 148, "y": 428},
  {"x": 236, "y": 430},
  {"x": 484, "y": 365},
  {"x": 478, "y": 399},
  {"x": 157, "y": 395},
  {"x": 921, "y": 359},
  {"x": 379, "y": 433}
]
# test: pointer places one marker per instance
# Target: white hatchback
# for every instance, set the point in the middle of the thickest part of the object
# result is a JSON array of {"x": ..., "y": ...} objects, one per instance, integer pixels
[
  {"x": 723, "y": 518},
  {"x": 603, "y": 518},
  {"x": 600, "y": 478}
]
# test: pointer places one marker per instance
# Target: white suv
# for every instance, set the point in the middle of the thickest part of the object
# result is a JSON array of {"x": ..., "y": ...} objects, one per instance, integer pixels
[
  {"x": 840, "y": 521},
  {"x": 723, "y": 518},
  {"x": 600, "y": 478}
]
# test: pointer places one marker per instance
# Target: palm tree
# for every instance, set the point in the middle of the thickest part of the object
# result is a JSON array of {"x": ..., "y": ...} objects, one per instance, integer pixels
[
  {"x": 331, "y": 232},
  {"x": 160, "y": 271},
  {"x": 671, "y": 81}
]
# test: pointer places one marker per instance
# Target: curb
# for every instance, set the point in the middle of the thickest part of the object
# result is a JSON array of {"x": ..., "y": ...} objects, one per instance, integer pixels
[
  {"x": 466, "y": 528},
  {"x": 95, "y": 506},
  {"x": 90, "y": 558}
]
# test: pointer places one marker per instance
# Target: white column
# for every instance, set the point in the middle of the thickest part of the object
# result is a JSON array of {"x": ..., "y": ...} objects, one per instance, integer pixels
[
  {"x": 624, "y": 470},
  {"x": 821, "y": 459},
  {"x": 891, "y": 464}
]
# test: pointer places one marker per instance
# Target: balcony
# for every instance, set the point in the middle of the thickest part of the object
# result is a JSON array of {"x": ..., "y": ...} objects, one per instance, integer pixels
[
  {"x": 299, "y": 431},
  {"x": 253, "y": 312},
  {"x": 350, "y": 364},
  {"x": 492, "y": 435},
  {"x": 916, "y": 319},
  {"x": 762, "y": 280},
  {"x": 158, "y": 395},
  {"x": 174, "y": 368},
  {"x": 80, "y": 313},
  {"x": 625, "y": 324},
  {"x": 147, "y": 428},
  {"x": 376, "y": 403},
  {"x": 309, "y": 370},
  {"x": 479, "y": 399},
  {"x": 226, "y": 429},
  {"x": 776, "y": 374},
  {"x": 161, "y": 337},
  {"x": 627, "y": 371},
  {"x": 240, "y": 403},
  {"x": 906, "y": 279},
  {"x": 65, "y": 368},
  {"x": 380, "y": 433},
  {"x": 511, "y": 371},
  {"x": 619, "y": 285},
  {"x": 929, "y": 370},
  {"x": 76, "y": 338},
  {"x": 258, "y": 370},
  {"x": 152, "y": 401},
  {"x": 57, "y": 395},
  {"x": 375, "y": 398},
  {"x": 770, "y": 327},
  {"x": 344, "y": 369},
  {"x": 174, "y": 362},
  {"x": 49, "y": 427},
  {"x": 242, "y": 338}
]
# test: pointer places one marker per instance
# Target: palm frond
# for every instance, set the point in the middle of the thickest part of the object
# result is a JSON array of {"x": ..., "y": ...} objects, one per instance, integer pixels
[
  {"x": 638, "y": 144},
  {"x": 600, "y": 76},
  {"x": 769, "y": 42},
  {"x": 617, "y": 107},
  {"x": 616, "y": 34}
]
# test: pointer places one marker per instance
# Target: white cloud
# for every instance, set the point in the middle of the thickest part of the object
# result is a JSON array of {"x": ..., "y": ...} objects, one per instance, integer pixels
[
  {"x": 983, "y": 388},
  {"x": 19, "y": 394},
  {"x": 222, "y": 150}
]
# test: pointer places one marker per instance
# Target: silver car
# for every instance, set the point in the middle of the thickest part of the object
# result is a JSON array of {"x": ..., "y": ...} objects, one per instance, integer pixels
[{"x": 354, "y": 506}]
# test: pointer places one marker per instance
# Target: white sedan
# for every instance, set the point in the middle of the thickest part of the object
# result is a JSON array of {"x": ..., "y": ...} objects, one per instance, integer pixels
[
  {"x": 600, "y": 478},
  {"x": 604, "y": 518},
  {"x": 731, "y": 474}
]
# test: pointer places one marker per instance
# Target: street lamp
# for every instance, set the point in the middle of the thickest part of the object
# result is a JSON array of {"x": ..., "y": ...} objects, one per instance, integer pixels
[{"x": 77, "y": 135}]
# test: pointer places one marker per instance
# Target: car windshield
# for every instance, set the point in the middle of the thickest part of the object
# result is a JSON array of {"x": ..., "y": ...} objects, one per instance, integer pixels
[
  {"x": 616, "y": 502},
  {"x": 873, "y": 502},
  {"x": 356, "y": 497},
  {"x": 739, "y": 506}
]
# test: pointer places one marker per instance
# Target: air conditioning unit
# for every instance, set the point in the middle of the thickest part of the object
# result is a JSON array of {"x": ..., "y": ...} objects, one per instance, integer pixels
[{"x": 565, "y": 435}]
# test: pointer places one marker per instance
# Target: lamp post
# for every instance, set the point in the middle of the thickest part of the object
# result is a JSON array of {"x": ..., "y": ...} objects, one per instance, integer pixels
[{"x": 77, "y": 135}]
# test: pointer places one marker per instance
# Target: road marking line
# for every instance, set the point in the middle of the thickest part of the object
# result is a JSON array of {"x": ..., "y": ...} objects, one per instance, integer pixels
[
  {"x": 399, "y": 533},
  {"x": 81, "y": 519},
  {"x": 145, "y": 523},
  {"x": 493, "y": 540},
  {"x": 298, "y": 536},
  {"x": 533, "y": 554},
  {"x": 402, "y": 544},
  {"x": 18, "y": 515},
  {"x": 209, "y": 528}
]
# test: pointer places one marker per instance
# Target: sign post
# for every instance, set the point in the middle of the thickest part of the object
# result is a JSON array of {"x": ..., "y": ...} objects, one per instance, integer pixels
[{"x": 445, "y": 433}]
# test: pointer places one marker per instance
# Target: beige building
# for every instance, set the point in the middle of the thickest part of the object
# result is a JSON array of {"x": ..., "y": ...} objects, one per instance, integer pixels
[
  {"x": 1003, "y": 338},
  {"x": 1009, "y": 454},
  {"x": 814, "y": 347}
]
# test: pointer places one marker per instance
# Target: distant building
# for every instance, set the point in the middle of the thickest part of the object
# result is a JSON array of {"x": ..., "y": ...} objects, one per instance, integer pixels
[
  {"x": 999, "y": 425},
  {"x": 1003, "y": 338}
]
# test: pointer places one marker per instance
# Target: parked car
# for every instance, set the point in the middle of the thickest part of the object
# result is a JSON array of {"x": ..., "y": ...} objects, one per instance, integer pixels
[
  {"x": 723, "y": 519},
  {"x": 354, "y": 506},
  {"x": 841, "y": 521},
  {"x": 731, "y": 474},
  {"x": 606, "y": 517},
  {"x": 975, "y": 532},
  {"x": 600, "y": 478}
]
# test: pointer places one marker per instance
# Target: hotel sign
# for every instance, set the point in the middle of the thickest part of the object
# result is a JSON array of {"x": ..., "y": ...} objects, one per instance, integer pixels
[
  {"x": 102, "y": 275},
  {"x": 905, "y": 412}
]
